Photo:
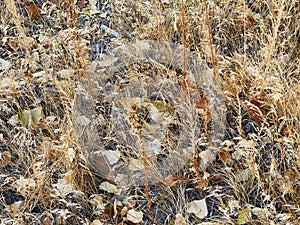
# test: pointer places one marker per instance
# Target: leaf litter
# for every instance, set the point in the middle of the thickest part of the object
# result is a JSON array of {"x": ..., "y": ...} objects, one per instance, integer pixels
[
  {"x": 159, "y": 100},
  {"x": 47, "y": 49}
]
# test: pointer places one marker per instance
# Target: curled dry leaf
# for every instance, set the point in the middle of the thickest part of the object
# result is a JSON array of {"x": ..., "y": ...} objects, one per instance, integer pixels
[
  {"x": 47, "y": 221},
  {"x": 203, "y": 181},
  {"x": 69, "y": 176},
  {"x": 71, "y": 154},
  {"x": 81, "y": 4}
]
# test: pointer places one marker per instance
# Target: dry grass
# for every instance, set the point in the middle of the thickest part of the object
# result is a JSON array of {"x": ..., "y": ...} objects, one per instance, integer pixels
[{"x": 51, "y": 166}]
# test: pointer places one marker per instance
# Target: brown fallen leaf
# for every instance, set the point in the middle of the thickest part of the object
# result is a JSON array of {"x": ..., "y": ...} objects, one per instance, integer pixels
[
  {"x": 33, "y": 10},
  {"x": 13, "y": 42},
  {"x": 5, "y": 158},
  {"x": 101, "y": 164},
  {"x": 203, "y": 181},
  {"x": 257, "y": 102},
  {"x": 171, "y": 180},
  {"x": 254, "y": 111},
  {"x": 47, "y": 221},
  {"x": 81, "y": 4},
  {"x": 202, "y": 108},
  {"x": 225, "y": 157}
]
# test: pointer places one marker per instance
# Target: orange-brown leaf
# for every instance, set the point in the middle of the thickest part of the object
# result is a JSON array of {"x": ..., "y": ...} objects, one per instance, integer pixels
[
  {"x": 203, "y": 108},
  {"x": 172, "y": 180},
  {"x": 81, "y": 4},
  {"x": 203, "y": 103},
  {"x": 257, "y": 103},
  {"x": 254, "y": 112},
  {"x": 203, "y": 181},
  {"x": 33, "y": 11},
  {"x": 225, "y": 157}
]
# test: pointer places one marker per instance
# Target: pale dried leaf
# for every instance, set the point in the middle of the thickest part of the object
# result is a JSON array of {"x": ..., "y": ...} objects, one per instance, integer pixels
[
  {"x": 13, "y": 120},
  {"x": 244, "y": 216},
  {"x": 71, "y": 154},
  {"x": 36, "y": 115},
  {"x": 198, "y": 208},
  {"x": 83, "y": 120},
  {"x": 25, "y": 185},
  {"x": 39, "y": 74},
  {"x": 97, "y": 222},
  {"x": 131, "y": 103},
  {"x": 110, "y": 188},
  {"x": 112, "y": 156},
  {"x": 261, "y": 213},
  {"x": 5, "y": 65},
  {"x": 207, "y": 157},
  {"x": 62, "y": 188},
  {"x": 66, "y": 73},
  {"x": 8, "y": 82},
  {"x": 122, "y": 179},
  {"x": 15, "y": 208},
  {"x": 135, "y": 164},
  {"x": 246, "y": 144},
  {"x": 106, "y": 61},
  {"x": 180, "y": 220},
  {"x": 134, "y": 216},
  {"x": 97, "y": 201}
]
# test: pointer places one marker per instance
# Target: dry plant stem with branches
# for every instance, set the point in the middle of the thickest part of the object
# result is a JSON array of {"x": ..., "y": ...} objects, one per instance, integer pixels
[{"x": 145, "y": 161}]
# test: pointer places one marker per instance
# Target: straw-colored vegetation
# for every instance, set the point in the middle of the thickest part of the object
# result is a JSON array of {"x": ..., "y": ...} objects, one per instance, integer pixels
[{"x": 149, "y": 112}]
